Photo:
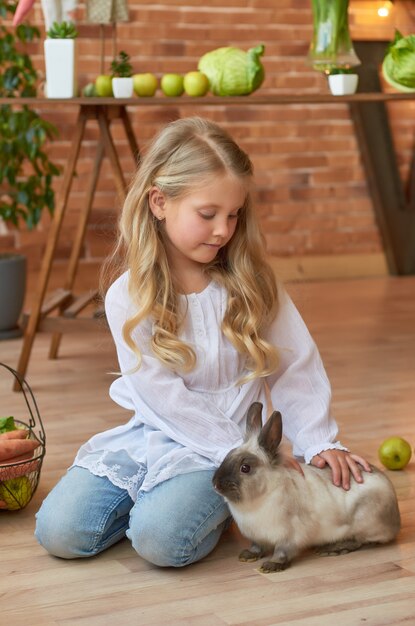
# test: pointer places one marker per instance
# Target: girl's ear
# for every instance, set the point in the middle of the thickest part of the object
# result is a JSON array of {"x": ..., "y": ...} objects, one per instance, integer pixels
[{"x": 157, "y": 202}]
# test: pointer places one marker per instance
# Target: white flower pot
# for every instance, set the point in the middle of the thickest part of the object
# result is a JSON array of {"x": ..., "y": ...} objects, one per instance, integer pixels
[
  {"x": 60, "y": 63},
  {"x": 122, "y": 87},
  {"x": 343, "y": 84}
]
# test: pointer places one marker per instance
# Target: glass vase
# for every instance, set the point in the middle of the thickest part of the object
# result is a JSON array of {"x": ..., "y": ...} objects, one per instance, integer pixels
[{"x": 331, "y": 45}]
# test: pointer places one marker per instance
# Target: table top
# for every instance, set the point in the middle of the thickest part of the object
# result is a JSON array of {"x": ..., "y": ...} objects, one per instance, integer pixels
[{"x": 252, "y": 100}]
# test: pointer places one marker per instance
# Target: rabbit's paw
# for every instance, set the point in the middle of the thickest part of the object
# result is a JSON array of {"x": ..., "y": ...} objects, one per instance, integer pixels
[
  {"x": 341, "y": 547},
  {"x": 247, "y": 556},
  {"x": 268, "y": 567},
  {"x": 254, "y": 553}
]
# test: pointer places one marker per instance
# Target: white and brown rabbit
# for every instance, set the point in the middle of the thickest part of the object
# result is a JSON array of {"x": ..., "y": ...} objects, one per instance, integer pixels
[{"x": 283, "y": 512}]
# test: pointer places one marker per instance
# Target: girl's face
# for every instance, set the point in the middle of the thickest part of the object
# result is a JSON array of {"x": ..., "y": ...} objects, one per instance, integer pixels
[{"x": 197, "y": 225}]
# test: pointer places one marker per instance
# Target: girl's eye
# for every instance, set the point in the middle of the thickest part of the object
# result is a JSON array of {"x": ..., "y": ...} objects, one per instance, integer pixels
[
  {"x": 208, "y": 216},
  {"x": 245, "y": 468}
]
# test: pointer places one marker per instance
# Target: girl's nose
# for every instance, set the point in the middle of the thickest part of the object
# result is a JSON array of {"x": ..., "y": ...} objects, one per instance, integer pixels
[{"x": 221, "y": 228}]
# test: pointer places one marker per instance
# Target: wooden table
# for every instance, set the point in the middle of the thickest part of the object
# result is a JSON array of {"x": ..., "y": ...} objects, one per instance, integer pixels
[{"x": 395, "y": 217}]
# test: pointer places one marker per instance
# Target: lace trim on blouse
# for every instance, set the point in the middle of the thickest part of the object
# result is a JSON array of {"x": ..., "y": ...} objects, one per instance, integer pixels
[{"x": 119, "y": 468}]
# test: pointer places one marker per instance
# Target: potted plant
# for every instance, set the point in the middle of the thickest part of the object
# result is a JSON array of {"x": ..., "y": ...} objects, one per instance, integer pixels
[
  {"x": 26, "y": 173},
  {"x": 122, "y": 72},
  {"x": 342, "y": 81},
  {"x": 60, "y": 60}
]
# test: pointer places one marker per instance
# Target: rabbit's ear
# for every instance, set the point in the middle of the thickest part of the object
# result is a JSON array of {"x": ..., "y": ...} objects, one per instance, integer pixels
[
  {"x": 271, "y": 434},
  {"x": 254, "y": 418}
]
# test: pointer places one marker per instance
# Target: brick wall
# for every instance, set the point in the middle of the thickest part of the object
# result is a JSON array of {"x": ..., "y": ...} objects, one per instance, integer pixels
[{"x": 311, "y": 192}]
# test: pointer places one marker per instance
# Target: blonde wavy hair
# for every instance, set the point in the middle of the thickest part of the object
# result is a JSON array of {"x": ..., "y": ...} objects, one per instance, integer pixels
[{"x": 184, "y": 155}]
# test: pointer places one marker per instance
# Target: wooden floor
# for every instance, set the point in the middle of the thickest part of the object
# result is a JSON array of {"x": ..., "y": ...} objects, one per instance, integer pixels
[{"x": 366, "y": 333}]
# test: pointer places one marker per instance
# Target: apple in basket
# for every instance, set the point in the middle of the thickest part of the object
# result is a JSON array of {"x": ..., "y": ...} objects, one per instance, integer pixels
[{"x": 16, "y": 492}]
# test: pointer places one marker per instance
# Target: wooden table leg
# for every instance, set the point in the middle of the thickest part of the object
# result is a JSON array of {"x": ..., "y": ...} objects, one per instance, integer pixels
[
  {"x": 130, "y": 136},
  {"x": 105, "y": 143},
  {"x": 111, "y": 153},
  {"x": 79, "y": 238},
  {"x": 56, "y": 224},
  {"x": 395, "y": 218}
]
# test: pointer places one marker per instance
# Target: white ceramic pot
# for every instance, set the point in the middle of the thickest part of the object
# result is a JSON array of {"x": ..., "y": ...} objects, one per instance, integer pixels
[
  {"x": 343, "y": 84},
  {"x": 61, "y": 68},
  {"x": 122, "y": 87}
]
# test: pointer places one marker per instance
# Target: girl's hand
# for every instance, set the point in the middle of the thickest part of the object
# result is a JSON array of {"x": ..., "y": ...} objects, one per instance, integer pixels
[{"x": 342, "y": 463}]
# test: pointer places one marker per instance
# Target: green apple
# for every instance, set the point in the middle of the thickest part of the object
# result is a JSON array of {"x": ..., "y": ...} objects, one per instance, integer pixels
[
  {"x": 16, "y": 492},
  {"x": 172, "y": 85},
  {"x": 89, "y": 91},
  {"x": 103, "y": 86},
  {"x": 196, "y": 84},
  {"x": 395, "y": 453},
  {"x": 145, "y": 85}
]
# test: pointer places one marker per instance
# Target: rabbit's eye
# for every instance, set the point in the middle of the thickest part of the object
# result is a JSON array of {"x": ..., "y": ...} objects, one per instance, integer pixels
[{"x": 245, "y": 468}]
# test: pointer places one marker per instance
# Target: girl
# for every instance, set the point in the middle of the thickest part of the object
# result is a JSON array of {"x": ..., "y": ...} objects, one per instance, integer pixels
[{"x": 200, "y": 330}]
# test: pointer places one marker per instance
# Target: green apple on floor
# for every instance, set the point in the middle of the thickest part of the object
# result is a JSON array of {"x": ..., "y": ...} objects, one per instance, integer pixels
[{"x": 395, "y": 453}]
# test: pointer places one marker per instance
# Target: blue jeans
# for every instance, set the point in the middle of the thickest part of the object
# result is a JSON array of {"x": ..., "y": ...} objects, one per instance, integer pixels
[{"x": 177, "y": 523}]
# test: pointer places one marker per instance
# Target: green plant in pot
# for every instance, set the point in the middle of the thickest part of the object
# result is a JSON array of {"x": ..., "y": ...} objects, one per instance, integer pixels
[
  {"x": 342, "y": 80},
  {"x": 61, "y": 60},
  {"x": 122, "y": 72},
  {"x": 26, "y": 173}
]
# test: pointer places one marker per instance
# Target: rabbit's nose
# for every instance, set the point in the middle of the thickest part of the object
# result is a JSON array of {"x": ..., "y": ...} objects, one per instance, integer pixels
[
  {"x": 222, "y": 485},
  {"x": 218, "y": 483}
]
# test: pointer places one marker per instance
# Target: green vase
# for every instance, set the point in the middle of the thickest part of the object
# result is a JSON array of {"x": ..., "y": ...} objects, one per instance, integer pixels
[{"x": 331, "y": 46}]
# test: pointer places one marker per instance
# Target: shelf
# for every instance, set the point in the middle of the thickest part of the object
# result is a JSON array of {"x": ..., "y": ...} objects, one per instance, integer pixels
[{"x": 253, "y": 100}]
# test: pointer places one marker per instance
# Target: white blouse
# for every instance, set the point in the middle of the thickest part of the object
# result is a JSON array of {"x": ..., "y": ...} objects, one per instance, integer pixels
[{"x": 184, "y": 423}]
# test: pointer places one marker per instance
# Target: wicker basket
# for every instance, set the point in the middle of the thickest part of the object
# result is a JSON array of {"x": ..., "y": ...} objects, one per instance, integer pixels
[{"x": 19, "y": 481}]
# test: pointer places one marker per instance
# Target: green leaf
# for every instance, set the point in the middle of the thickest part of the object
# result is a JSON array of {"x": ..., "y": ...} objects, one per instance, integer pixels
[
  {"x": 7, "y": 424},
  {"x": 399, "y": 63},
  {"x": 26, "y": 173},
  {"x": 62, "y": 30},
  {"x": 121, "y": 65}
]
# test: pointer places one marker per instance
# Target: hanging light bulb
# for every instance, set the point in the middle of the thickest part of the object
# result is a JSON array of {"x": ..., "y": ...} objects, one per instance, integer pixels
[{"x": 385, "y": 8}]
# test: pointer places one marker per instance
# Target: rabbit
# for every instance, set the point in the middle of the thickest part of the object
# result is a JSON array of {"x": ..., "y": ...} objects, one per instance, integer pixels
[{"x": 282, "y": 511}]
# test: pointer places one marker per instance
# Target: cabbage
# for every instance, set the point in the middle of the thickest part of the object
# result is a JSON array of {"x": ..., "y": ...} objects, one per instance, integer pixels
[
  {"x": 233, "y": 72},
  {"x": 399, "y": 63}
]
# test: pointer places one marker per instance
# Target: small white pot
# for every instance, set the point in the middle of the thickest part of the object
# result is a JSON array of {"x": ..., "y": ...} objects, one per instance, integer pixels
[
  {"x": 343, "y": 84},
  {"x": 61, "y": 65},
  {"x": 122, "y": 87}
]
